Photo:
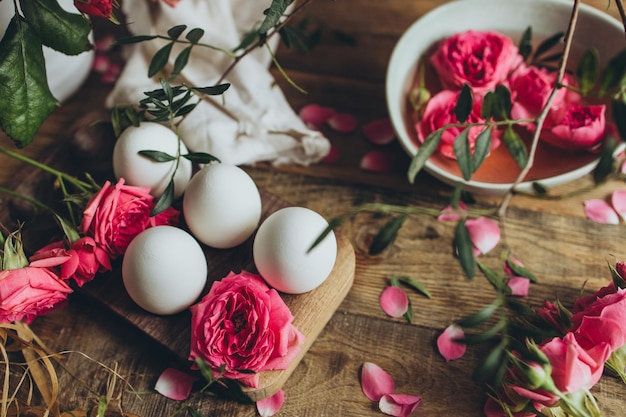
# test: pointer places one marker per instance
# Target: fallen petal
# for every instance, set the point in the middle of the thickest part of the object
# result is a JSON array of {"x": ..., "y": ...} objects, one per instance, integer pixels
[
  {"x": 333, "y": 155},
  {"x": 394, "y": 301},
  {"x": 342, "y": 122},
  {"x": 267, "y": 407},
  {"x": 622, "y": 168},
  {"x": 484, "y": 233},
  {"x": 399, "y": 405},
  {"x": 618, "y": 201},
  {"x": 375, "y": 382},
  {"x": 519, "y": 286},
  {"x": 379, "y": 131},
  {"x": 449, "y": 213},
  {"x": 377, "y": 161},
  {"x": 448, "y": 348},
  {"x": 314, "y": 115},
  {"x": 600, "y": 211},
  {"x": 174, "y": 384}
]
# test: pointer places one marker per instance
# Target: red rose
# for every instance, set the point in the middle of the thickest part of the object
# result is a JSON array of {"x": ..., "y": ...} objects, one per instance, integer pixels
[
  {"x": 28, "y": 292},
  {"x": 480, "y": 59},
  {"x": 578, "y": 127},
  {"x": 440, "y": 111},
  {"x": 118, "y": 213},
  {"x": 245, "y": 326},
  {"x": 102, "y": 8},
  {"x": 84, "y": 259}
]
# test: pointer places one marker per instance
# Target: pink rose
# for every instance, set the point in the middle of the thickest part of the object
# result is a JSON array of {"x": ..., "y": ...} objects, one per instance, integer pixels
[
  {"x": 551, "y": 314},
  {"x": 440, "y": 111},
  {"x": 573, "y": 367},
  {"x": 480, "y": 59},
  {"x": 245, "y": 326},
  {"x": 531, "y": 87},
  {"x": 102, "y": 8},
  {"x": 84, "y": 259},
  {"x": 28, "y": 292},
  {"x": 118, "y": 213},
  {"x": 579, "y": 127}
]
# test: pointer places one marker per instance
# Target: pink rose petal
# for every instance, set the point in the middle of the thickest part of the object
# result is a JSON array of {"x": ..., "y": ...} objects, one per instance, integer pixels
[
  {"x": 378, "y": 161},
  {"x": 618, "y": 201},
  {"x": 379, "y": 132},
  {"x": 342, "y": 122},
  {"x": 600, "y": 211},
  {"x": 399, "y": 405},
  {"x": 267, "y": 407},
  {"x": 314, "y": 115},
  {"x": 394, "y": 301},
  {"x": 484, "y": 234},
  {"x": 333, "y": 155},
  {"x": 174, "y": 384},
  {"x": 519, "y": 286},
  {"x": 448, "y": 348},
  {"x": 448, "y": 213},
  {"x": 375, "y": 382},
  {"x": 622, "y": 168}
]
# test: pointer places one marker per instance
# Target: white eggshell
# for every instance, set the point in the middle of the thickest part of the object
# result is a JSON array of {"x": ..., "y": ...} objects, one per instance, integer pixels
[
  {"x": 141, "y": 171},
  {"x": 164, "y": 270},
  {"x": 222, "y": 205},
  {"x": 281, "y": 247}
]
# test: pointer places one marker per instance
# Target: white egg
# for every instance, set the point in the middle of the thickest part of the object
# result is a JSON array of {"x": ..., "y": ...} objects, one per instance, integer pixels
[
  {"x": 222, "y": 205},
  {"x": 281, "y": 250},
  {"x": 164, "y": 270},
  {"x": 141, "y": 171}
]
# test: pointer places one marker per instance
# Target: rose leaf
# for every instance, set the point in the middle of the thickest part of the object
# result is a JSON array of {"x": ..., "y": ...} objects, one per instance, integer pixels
[
  {"x": 386, "y": 235},
  {"x": 465, "y": 249},
  {"x": 273, "y": 15},
  {"x": 516, "y": 147},
  {"x": 463, "y": 153},
  {"x": 464, "y": 104},
  {"x": 587, "y": 70},
  {"x": 482, "y": 148}
]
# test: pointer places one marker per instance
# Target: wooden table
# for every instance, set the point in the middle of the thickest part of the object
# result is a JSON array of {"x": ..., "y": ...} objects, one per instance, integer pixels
[{"x": 564, "y": 249}]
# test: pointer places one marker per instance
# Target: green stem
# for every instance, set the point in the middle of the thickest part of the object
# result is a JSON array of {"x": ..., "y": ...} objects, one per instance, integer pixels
[
  {"x": 82, "y": 185},
  {"x": 283, "y": 72},
  {"x": 30, "y": 200}
]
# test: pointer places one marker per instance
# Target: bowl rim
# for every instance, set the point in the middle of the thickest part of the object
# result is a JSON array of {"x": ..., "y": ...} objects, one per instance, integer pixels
[{"x": 395, "y": 87}]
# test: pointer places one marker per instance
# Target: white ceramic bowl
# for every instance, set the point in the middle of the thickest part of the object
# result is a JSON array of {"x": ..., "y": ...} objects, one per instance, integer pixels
[{"x": 511, "y": 17}]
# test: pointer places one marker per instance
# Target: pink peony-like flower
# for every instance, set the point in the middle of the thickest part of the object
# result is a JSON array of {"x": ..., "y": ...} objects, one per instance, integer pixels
[
  {"x": 440, "y": 111},
  {"x": 84, "y": 259},
  {"x": 480, "y": 59},
  {"x": 574, "y": 367},
  {"x": 118, "y": 213},
  {"x": 28, "y": 292},
  {"x": 579, "y": 127},
  {"x": 245, "y": 326},
  {"x": 102, "y": 8}
]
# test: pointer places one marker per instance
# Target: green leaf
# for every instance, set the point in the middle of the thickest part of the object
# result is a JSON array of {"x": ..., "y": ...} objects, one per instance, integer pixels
[
  {"x": 423, "y": 153},
  {"x": 539, "y": 188},
  {"x": 103, "y": 404},
  {"x": 409, "y": 313},
  {"x": 415, "y": 284},
  {"x": 195, "y": 35},
  {"x": 587, "y": 70},
  {"x": 481, "y": 316},
  {"x": 68, "y": 230},
  {"x": 463, "y": 153},
  {"x": 619, "y": 116},
  {"x": 549, "y": 43},
  {"x": 332, "y": 224},
  {"x": 23, "y": 80},
  {"x": 516, "y": 146},
  {"x": 481, "y": 148},
  {"x": 181, "y": 61},
  {"x": 604, "y": 168},
  {"x": 134, "y": 39},
  {"x": 157, "y": 156},
  {"x": 520, "y": 271},
  {"x": 165, "y": 201},
  {"x": 464, "y": 249},
  {"x": 273, "y": 15},
  {"x": 613, "y": 72},
  {"x": 494, "y": 279},
  {"x": 159, "y": 60},
  {"x": 497, "y": 103},
  {"x": 187, "y": 109},
  {"x": 525, "y": 44},
  {"x": 387, "y": 234},
  {"x": 248, "y": 39},
  {"x": 167, "y": 89},
  {"x": 205, "y": 370},
  {"x": 618, "y": 280},
  {"x": 175, "y": 31},
  {"x": 193, "y": 412},
  {"x": 486, "y": 336},
  {"x": 463, "y": 107},
  {"x": 201, "y": 157},
  {"x": 493, "y": 366},
  {"x": 60, "y": 30},
  {"x": 215, "y": 90}
]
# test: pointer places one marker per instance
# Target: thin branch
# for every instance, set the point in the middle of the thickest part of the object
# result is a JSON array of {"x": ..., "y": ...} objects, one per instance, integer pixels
[{"x": 622, "y": 13}]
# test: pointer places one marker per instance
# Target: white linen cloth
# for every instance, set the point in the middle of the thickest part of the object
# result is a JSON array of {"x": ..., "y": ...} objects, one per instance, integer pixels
[{"x": 252, "y": 121}]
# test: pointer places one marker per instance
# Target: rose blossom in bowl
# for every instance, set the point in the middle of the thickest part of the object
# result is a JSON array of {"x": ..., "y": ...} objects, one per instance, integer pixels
[{"x": 492, "y": 31}]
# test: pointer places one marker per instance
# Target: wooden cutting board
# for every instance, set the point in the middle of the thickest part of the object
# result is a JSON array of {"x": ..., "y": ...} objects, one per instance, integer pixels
[{"x": 311, "y": 310}]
